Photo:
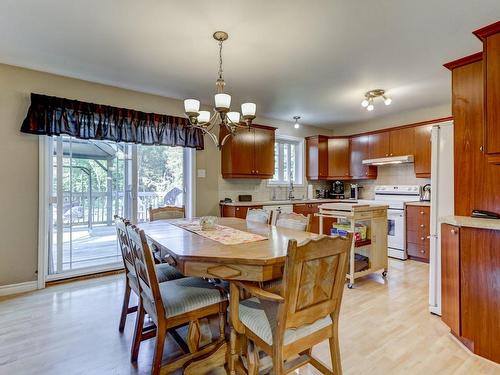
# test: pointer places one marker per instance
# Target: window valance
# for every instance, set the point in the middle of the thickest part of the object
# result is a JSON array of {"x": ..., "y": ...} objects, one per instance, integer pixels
[{"x": 48, "y": 115}]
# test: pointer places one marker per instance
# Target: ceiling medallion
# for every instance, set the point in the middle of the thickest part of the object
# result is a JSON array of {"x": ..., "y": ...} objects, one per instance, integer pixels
[
  {"x": 371, "y": 95},
  {"x": 222, "y": 115}
]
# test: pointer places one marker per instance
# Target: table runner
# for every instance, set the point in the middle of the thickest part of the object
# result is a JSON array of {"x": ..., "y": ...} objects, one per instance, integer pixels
[{"x": 221, "y": 233}]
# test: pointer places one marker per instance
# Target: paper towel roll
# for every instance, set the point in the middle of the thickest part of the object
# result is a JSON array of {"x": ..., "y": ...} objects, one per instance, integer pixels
[{"x": 310, "y": 192}]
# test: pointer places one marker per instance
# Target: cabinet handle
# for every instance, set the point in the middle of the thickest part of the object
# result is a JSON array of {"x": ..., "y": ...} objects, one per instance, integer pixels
[
  {"x": 257, "y": 171},
  {"x": 422, "y": 225},
  {"x": 237, "y": 208},
  {"x": 454, "y": 231},
  {"x": 481, "y": 148},
  {"x": 386, "y": 154},
  {"x": 422, "y": 238},
  {"x": 422, "y": 251},
  {"x": 391, "y": 154},
  {"x": 421, "y": 212}
]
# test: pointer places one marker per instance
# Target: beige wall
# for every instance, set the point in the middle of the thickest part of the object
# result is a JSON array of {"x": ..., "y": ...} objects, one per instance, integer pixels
[
  {"x": 408, "y": 117},
  {"x": 19, "y": 158}
]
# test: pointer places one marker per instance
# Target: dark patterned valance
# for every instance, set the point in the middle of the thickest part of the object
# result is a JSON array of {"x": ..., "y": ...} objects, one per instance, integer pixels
[{"x": 50, "y": 115}]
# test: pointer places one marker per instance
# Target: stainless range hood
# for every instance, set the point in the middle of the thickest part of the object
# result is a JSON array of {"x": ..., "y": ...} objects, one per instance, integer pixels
[{"x": 389, "y": 160}]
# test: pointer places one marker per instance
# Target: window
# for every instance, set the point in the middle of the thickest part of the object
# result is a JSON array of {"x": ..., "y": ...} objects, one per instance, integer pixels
[{"x": 288, "y": 156}]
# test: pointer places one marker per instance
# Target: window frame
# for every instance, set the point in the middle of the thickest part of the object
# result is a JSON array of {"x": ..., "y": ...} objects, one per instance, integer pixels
[{"x": 299, "y": 178}]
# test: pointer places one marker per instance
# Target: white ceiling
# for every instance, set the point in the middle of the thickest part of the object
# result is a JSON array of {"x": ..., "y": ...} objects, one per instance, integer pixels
[{"x": 313, "y": 58}]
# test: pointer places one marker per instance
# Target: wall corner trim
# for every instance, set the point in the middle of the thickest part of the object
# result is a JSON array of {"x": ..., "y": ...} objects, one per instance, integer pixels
[{"x": 28, "y": 286}]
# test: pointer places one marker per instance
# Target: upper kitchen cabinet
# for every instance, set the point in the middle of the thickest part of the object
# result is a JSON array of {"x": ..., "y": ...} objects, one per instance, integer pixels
[
  {"x": 423, "y": 150},
  {"x": 379, "y": 145},
  {"x": 397, "y": 142},
  {"x": 317, "y": 157},
  {"x": 360, "y": 152},
  {"x": 402, "y": 142},
  {"x": 338, "y": 158},
  {"x": 490, "y": 35},
  {"x": 249, "y": 153}
]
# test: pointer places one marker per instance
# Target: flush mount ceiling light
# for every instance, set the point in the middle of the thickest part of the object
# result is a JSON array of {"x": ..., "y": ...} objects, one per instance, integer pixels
[
  {"x": 222, "y": 115},
  {"x": 296, "y": 125},
  {"x": 371, "y": 95}
]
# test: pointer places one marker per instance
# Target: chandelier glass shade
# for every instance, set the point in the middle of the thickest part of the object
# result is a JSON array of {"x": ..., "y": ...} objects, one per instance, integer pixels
[{"x": 222, "y": 114}]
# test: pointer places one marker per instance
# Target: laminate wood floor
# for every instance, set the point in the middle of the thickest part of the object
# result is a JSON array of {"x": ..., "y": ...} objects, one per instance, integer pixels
[{"x": 385, "y": 328}]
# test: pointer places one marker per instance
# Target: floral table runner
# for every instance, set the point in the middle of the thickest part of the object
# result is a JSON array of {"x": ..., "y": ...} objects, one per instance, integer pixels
[{"x": 221, "y": 233}]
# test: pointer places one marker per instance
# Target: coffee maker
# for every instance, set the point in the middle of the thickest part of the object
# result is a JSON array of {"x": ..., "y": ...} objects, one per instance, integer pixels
[
  {"x": 337, "y": 190},
  {"x": 355, "y": 191}
]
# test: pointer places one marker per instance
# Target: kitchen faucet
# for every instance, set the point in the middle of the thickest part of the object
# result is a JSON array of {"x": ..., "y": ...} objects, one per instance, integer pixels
[{"x": 290, "y": 189}]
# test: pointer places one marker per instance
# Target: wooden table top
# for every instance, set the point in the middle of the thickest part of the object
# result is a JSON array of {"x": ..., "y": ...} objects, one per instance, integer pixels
[{"x": 183, "y": 244}]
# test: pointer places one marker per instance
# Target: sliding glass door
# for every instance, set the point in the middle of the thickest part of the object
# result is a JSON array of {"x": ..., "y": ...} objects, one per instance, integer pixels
[{"x": 91, "y": 181}]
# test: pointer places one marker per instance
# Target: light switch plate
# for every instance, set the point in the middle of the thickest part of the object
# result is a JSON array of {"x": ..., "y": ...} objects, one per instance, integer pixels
[{"x": 202, "y": 173}]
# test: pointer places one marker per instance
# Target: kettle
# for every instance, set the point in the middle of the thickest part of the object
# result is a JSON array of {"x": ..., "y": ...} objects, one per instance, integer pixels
[{"x": 426, "y": 193}]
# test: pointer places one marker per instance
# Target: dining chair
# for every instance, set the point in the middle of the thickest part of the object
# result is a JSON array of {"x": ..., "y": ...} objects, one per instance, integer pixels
[
  {"x": 167, "y": 212},
  {"x": 171, "y": 305},
  {"x": 259, "y": 215},
  {"x": 290, "y": 220},
  {"x": 286, "y": 326},
  {"x": 293, "y": 220},
  {"x": 164, "y": 271}
]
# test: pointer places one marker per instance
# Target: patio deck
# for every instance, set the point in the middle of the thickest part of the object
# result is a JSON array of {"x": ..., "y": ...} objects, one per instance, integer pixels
[{"x": 83, "y": 247}]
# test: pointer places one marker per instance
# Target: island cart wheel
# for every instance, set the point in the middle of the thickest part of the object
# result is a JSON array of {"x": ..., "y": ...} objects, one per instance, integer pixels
[
  {"x": 350, "y": 285},
  {"x": 384, "y": 274}
]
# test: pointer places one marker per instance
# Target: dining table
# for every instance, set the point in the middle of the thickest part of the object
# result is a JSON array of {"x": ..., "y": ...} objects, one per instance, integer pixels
[{"x": 234, "y": 249}]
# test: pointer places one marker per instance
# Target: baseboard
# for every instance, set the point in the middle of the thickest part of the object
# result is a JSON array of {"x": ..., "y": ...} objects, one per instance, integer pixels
[{"x": 6, "y": 290}]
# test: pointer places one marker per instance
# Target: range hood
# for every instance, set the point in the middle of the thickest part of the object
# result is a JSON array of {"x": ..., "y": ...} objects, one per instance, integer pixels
[{"x": 389, "y": 160}]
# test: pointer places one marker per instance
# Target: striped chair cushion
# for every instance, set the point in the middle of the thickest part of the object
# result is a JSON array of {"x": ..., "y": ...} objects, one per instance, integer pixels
[
  {"x": 187, "y": 294},
  {"x": 164, "y": 272},
  {"x": 253, "y": 316}
]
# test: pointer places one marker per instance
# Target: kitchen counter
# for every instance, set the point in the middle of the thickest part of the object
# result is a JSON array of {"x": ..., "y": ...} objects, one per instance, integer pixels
[
  {"x": 283, "y": 202},
  {"x": 471, "y": 222},
  {"x": 419, "y": 203}
]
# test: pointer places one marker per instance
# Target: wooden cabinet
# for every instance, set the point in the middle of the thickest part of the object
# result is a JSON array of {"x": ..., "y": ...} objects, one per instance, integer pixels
[
  {"x": 249, "y": 153},
  {"x": 450, "y": 277},
  {"x": 317, "y": 157},
  {"x": 360, "y": 152},
  {"x": 389, "y": 143},
  {"x": 311, "y": 209},
  {"x": 418, "y": 232},
  {"x": 469, "y": 287},
  {"x": 235, "y": 211},
  {"x": 338, "y": 158},
  {"x": 402, "y": 142},
  {"x": 490, "y": 35},
  {"x": 379, "y": 145},
  {"x": 423, "y": 150}
]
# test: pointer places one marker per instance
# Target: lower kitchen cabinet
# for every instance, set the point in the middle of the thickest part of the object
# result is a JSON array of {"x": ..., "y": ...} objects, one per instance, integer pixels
[
  {"x": 470, "y": 280},
  {"x": 235, "y": 211},
  {"x": 417, "y": 232},
  {"x": 311, "y": 209}
]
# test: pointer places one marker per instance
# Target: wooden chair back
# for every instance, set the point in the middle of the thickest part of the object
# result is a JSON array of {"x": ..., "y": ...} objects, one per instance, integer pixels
[
  {"x": 293, "y": 220},
  {"x": 259, "y": 215},
  {"x": 149, "y": 287},
  {"x": 123, "y": 241},
  {"x": 167, "y": 212},
  {"x": 313, "y": 281}
]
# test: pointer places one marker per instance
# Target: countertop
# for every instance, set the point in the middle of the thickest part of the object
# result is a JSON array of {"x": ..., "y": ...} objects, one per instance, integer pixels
[
  {"x": 471, "y": 222},
  {"x": 283, "y": 202},
  {"x": 419, "y": 203}
]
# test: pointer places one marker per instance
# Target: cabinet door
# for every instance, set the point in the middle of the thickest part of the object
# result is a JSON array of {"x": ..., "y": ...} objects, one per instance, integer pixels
[
  {"x": 227, "y": 211},
  {"x": 338, "y": 158},
  {"x": 450, "y": 277},
  {"x": 317, "y": 157},
  {"x": 360, "y": 152},
  {"x": 423, "y": 151},
  {"x": 238, "y": 154},
  {"x": 264, "y": 152},
  {"x": 492, "y": 66},
  {"x": 379, "y": 145},
  {"x": 402, "y": 142}
]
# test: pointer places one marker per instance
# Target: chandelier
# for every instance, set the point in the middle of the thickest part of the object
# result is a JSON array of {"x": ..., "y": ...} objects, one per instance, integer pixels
[
  {"x": 371, "y": 95},
  {"x": 222, "y": 115}
]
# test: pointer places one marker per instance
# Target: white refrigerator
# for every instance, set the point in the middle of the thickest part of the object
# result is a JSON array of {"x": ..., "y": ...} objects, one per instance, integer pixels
[{"x": 442, "y": 204}]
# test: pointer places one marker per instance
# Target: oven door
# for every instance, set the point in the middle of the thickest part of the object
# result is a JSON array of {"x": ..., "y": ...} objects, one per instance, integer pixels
[{"x": 395, "y": 229}]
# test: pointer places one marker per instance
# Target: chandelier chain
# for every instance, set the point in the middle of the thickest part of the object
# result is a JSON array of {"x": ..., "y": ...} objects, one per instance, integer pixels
[{"x": 220, "y": 59}]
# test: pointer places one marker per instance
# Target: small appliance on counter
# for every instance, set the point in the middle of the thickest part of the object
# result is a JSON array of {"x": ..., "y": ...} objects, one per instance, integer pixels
[
  {"x": 355, "y": 191},
  {"x": 337, "y": 191},
  {"x": 425, "y": 195},
  {"x": 244, "y": 198},
  {"x": 481, "y": 214}
]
